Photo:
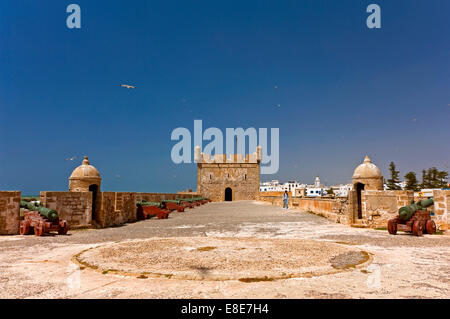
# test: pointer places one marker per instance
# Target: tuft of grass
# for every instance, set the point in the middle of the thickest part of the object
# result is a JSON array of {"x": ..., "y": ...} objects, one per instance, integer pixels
[
  {"x": 206, "y": 248},
  {"x": 104, "y": 272},
  {"x": 345, "y": 243},
  {"x": 250, "y": 280}
]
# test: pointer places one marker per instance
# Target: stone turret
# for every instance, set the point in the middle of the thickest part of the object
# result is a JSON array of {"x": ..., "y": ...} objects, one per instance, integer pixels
[
  {"x": 369, "y": 175},
  {"x": 85, "y": 178}
]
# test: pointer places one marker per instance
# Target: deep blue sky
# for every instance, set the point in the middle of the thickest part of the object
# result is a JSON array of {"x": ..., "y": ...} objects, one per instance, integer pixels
[{"x": 345, "y": 90}]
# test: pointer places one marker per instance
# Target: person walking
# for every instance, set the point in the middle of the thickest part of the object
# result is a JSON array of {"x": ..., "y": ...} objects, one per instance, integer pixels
[{"x": 286, "y": 200}]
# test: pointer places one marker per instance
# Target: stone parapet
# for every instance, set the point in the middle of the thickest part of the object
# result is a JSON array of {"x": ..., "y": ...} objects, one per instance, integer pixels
[
  {"x": 333, "y": 209},
  {"x": 74, "y": 207},
  {"x": 9, "y": 212}
]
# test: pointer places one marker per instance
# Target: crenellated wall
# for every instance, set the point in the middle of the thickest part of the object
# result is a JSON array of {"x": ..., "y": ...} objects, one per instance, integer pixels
[
  {"x": 157, "y": 197},
  {"x": 378, "y": 206},
  {"x": 115, "y": 208},
  {"x": 442, "y": 209},
  {"x": 9, "y": 212},
  {"x": 335, "y": 209},
  {"x": 111, "y": 208},
  {"x": 74, "y": 207}
]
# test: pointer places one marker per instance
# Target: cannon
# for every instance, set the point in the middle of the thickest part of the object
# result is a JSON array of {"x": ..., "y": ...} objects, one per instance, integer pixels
[
  {"x": 185, "y": 203},
  {"x": 174, "y": 205},
  {"x": 197, "y": 201},
  {"x": 147, "y": 210},
  {"x": 414, "y": 218},
  {"x": 41, "y": 220}
]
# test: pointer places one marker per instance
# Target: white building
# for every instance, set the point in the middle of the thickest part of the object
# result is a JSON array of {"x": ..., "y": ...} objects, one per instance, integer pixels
[
  {"x": 315, "y": 191},
  {"x": 342, "y": 190},
  {"x": 275, "y": 186},
  {"x": 298, "y": 189},
  {"x": 402, "y": 185},
  {"x": 272, "y": 186}
]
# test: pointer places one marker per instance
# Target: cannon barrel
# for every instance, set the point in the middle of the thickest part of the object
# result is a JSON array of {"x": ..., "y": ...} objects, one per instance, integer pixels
[
  {"x": 50, "y": 214},
  {"x": 145, "y": 203},
  {"x": 406, "y": 212}
]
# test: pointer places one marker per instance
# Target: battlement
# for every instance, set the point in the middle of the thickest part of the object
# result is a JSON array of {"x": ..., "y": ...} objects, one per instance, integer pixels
[{"x": 254, "y": 158}]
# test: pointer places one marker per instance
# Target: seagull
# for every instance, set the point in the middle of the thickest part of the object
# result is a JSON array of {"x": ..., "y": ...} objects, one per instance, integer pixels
[
  {"x": 71, "y": 159},
  {"x": 128, "y": 86}
]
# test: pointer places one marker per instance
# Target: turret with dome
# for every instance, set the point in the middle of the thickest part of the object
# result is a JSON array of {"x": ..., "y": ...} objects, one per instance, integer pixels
[
  {"x": 369, "y": 175},
  {"x": 85, "y": 178}
]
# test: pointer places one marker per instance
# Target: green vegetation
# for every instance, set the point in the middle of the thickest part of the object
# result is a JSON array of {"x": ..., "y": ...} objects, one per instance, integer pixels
[
  {"x": 431, "y": 178},
  {"x": 250, "y": 280},
  {"x": 30, "y": 198},
  {"x": 434, "y": 178},
  {"x": 411, "y": 182},
  {"x": 391, "y": 182},
  {"x": 206, "y": 248}
]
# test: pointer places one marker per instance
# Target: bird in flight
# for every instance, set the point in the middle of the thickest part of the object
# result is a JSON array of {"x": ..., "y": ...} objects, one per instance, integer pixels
[
  {"x": 128, "y": 86},
  {"x": 71, "y": 159}
]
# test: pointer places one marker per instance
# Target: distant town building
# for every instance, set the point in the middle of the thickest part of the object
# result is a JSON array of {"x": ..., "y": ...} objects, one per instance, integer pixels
[
  {"x": 315, "y": 191},
  {"x": 298, "y": 189},
  {"x": 402, "y": 185},
  {"x": 317, "y": 182},
  {"x": 342, "y": 190}
]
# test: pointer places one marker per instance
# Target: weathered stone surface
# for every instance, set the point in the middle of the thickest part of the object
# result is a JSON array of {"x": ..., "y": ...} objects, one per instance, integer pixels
[
  {"x": 74, "y": 207},
  {"x": 442, "y": 209},
  {"x": 9, "y": 213},
  {"x": 116, "y": 208},
  {"x": 336, "y": 210}
]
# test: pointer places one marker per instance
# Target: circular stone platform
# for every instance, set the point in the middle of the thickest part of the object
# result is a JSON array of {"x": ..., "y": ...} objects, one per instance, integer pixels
[{"x": 213, "y": 258}]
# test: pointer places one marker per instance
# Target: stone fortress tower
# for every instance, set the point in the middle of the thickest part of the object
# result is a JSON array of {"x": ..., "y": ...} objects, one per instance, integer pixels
[
  {"x": 85, "y": 178},
  {"x": 228, "y": 179}
]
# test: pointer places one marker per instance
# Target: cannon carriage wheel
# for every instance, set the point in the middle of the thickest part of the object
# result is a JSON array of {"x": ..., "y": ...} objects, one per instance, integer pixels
[
  {"x": 63, "y": 228},
  {"x": 430, "y": 227},
  {"x": 392, "y": 227},
  {"x": 25, "y": 227},
  {"x": 39, "y": 229},
  {"x": 417, "y": 228}
]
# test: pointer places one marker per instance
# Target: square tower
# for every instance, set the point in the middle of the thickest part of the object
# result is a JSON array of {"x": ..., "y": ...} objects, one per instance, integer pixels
[{"x": 228, "y": 179}]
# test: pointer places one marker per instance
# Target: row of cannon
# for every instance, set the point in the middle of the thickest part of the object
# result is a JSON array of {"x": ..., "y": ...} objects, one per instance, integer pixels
[
  {"x": 40, "y": 220},
  {"x": 162, "y": 209}
]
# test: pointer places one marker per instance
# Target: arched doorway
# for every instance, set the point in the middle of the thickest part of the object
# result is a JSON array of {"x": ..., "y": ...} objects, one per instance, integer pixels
[
  {"x": 94, "y": 189},
  {"x": 228, "y": 194},
  {"x": 359, "y": 187}
]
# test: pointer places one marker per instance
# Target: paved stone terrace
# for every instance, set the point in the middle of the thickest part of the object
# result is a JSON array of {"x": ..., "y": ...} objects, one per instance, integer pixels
[{"x": 402, "y": 266}]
